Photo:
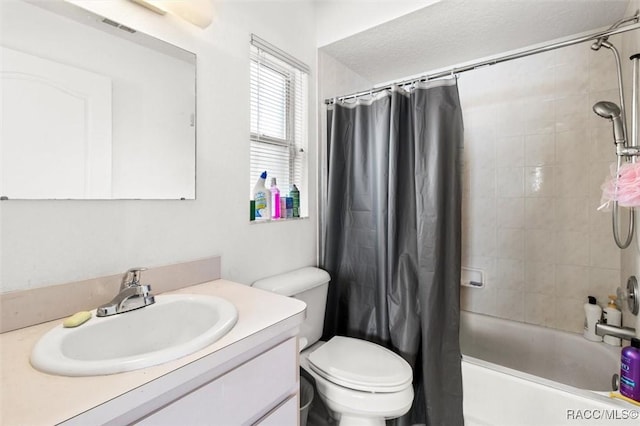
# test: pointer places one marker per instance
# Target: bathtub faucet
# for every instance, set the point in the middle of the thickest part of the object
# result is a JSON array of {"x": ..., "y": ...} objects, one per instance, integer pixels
[{"x": 626, "y": 333}]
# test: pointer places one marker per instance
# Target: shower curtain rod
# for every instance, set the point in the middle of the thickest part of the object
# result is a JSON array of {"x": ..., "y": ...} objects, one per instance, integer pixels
[{"x": 614, "y": 29}]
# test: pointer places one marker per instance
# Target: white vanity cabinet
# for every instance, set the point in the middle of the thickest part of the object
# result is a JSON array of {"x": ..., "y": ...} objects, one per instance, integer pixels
[
  {"x": 263, "y": 390},
  {"x": 253, "y": 384},
  {"x": 250, "y": 376}
]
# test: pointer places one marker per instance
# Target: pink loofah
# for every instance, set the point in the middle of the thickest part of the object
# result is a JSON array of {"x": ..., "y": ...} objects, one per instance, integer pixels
[{"x": 623, "y": 188}]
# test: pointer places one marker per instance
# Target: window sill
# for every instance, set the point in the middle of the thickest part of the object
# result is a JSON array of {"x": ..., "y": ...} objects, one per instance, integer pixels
[{"x": 263, "y": 221}]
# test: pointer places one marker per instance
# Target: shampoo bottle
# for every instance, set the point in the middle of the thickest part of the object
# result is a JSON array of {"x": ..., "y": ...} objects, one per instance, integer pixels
[
  {"x": 630, "y": 370},
  {"x": 612, "y": 316},
  {"x": 592, "y": 314},
  {"x": 262, "y": 198},
  {"x": 275, "y": 200}
]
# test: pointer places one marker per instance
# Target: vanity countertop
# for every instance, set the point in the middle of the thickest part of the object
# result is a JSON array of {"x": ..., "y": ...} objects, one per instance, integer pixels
[{"x": 28, "y": 396}]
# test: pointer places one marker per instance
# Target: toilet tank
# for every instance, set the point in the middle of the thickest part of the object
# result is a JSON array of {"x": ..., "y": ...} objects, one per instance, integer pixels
[{"x": 309, "y": 285}]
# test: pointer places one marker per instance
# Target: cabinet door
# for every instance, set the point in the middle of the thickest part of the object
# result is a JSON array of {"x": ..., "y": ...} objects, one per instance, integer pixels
[{"x": 242, "y": 396}]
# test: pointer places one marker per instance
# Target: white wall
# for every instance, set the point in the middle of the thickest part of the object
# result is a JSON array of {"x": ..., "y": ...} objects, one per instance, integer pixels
[{"x": 52, "y": 242}]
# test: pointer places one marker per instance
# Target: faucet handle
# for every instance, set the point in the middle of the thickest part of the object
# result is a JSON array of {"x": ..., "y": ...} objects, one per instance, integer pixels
[{"x": 132, "y": 277}]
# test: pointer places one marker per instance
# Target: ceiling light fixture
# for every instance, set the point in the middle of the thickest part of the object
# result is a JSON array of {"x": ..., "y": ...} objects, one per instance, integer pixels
[{"x": 198, "y": 12}]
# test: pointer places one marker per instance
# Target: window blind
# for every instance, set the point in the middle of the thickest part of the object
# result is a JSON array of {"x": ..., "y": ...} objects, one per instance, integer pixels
[{"x": 278, "y": 137}]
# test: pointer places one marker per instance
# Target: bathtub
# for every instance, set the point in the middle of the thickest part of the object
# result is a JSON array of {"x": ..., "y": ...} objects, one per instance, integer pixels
[{"x": 521, "y": 374}]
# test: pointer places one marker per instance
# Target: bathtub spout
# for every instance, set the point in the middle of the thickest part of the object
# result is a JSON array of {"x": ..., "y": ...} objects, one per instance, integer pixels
[{"x": 626, "y": 333}]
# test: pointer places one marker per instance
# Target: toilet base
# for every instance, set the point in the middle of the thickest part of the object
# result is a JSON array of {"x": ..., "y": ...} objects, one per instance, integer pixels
[
  {"x": 347, "y": 420},
  {"x": 352, "y": 415}
]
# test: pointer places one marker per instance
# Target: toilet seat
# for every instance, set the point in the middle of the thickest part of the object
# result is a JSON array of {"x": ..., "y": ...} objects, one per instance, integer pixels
[{"x": 361, "y": 365}]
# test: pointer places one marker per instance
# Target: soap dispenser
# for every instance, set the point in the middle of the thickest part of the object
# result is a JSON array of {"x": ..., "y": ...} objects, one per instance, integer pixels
[
  {"x": 592, "y": 314},
  {"x": 612, "y": 316}
]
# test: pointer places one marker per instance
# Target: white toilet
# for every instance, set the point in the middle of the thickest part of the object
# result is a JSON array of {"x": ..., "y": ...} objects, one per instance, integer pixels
[{"x": 360, "y": 382}]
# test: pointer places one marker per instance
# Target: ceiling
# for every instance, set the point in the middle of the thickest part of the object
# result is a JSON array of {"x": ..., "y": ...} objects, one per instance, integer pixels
[{"x": 453, "y": 32}]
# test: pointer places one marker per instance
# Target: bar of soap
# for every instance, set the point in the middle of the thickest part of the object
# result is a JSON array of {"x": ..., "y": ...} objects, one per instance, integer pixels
[{"x": 76, "y": 319}]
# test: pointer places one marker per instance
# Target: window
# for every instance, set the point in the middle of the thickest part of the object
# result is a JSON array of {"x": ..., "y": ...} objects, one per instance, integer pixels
[{"x": 278, "y": 117}]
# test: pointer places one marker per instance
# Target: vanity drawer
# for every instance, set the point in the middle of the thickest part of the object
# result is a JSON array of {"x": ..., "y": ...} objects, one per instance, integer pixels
[
  {"x": 242, "y": 396},
  {"x": 286, "y": 414}
]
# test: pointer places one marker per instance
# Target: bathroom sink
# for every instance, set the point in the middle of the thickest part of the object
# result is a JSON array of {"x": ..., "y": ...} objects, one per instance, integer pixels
[{"x": 174, "y": 326}]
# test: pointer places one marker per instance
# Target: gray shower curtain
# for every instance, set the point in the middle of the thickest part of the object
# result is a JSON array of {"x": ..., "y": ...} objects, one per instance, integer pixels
[{"x": 392, "y": 236}]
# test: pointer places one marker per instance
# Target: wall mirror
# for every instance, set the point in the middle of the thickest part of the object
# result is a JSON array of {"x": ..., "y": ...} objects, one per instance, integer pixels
[{"x": 92, "y": 109}]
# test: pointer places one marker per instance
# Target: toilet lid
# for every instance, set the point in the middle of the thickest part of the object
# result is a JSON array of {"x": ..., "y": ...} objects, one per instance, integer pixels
[{"x": 361, "y": 365}]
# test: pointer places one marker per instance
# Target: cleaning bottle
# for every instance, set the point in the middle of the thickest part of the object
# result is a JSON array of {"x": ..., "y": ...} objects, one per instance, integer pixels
[
  {"x": 630, "y": 370},
  {"x": 262, "y": 198},
  {"x": 294, "y": 193},
  {"x": 592, "y": 314},
  {"x": 275, "y": 200},
  {"x": 612, "y": 316}
]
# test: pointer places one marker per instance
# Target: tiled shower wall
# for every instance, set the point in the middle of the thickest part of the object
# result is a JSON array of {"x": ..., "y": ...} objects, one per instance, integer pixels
[
  {"x": 631, "y": 256},
  {"x": 535, "y": 157}
]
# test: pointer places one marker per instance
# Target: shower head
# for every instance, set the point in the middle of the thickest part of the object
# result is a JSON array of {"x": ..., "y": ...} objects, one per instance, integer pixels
[
  {"x": 611, "y": 111},
  {"x": 606, "y": 109}
]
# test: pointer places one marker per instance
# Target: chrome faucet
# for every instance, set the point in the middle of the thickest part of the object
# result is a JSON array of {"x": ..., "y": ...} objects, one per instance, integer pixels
[
  {"x": 632, "y": 295},
  {"x": 626, "y": 333},
  {"x": 132, "y": 295}
]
